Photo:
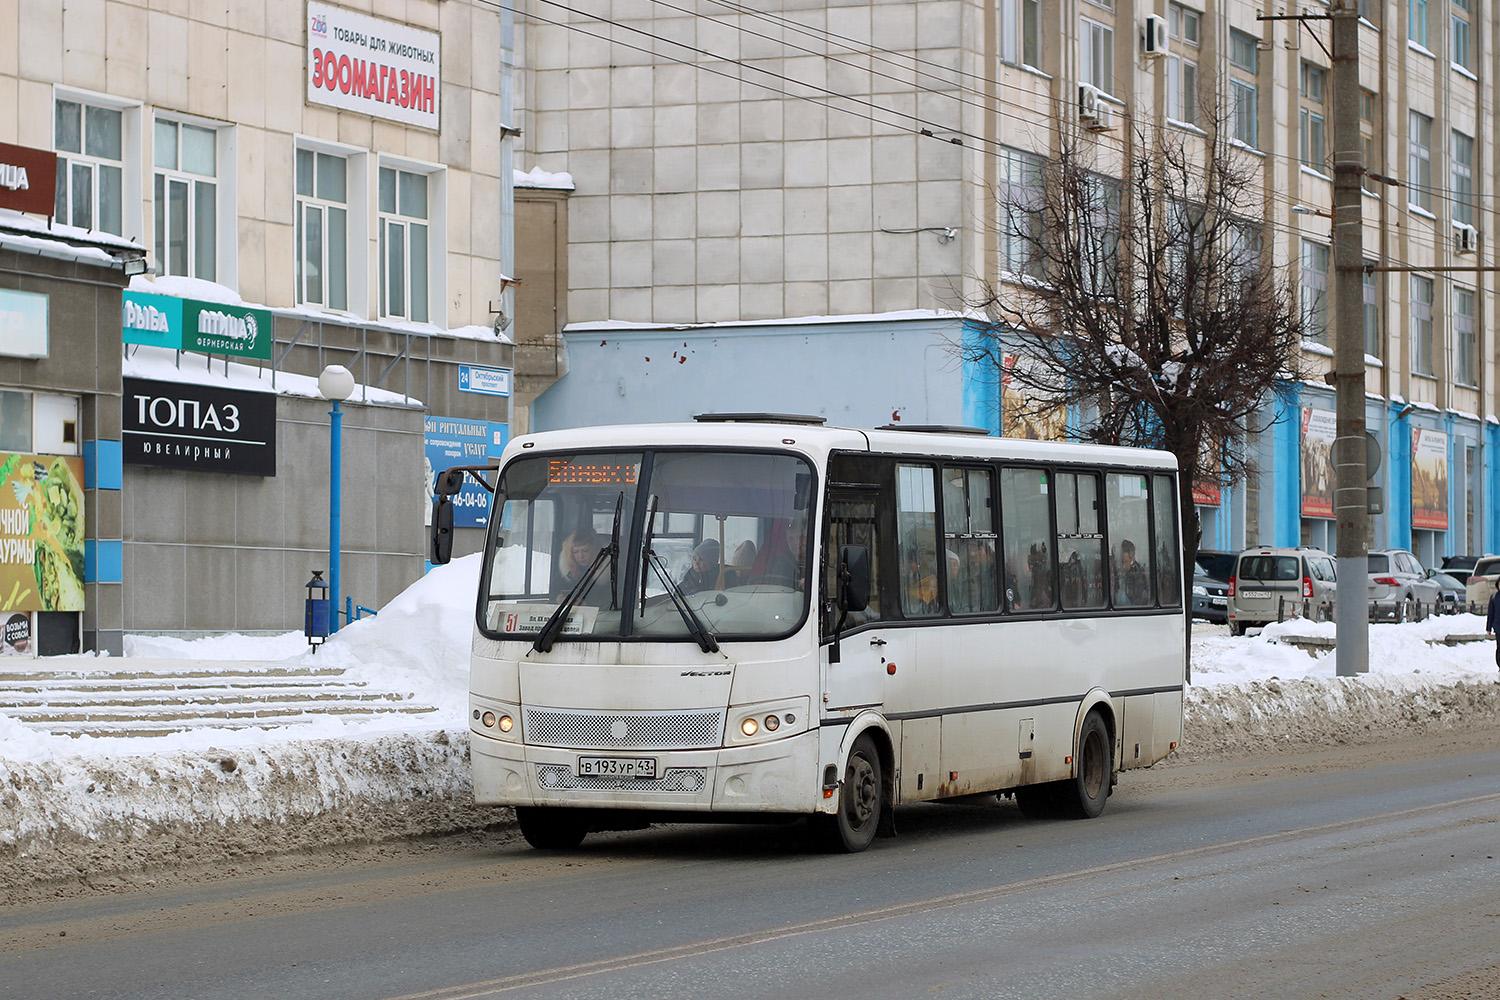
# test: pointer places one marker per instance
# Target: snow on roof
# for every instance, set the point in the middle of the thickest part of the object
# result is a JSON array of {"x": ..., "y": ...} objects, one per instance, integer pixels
[
  {"x": 11, "y": 219},
  {"x": 57, "y": 249},
  {"x": 536, "y": 177},
  {"x": 616, "y": 325},
  {"x": 166, "y": 365}
]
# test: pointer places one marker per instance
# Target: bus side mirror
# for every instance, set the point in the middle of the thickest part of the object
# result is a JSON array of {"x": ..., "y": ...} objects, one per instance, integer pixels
[
  {"x": 442, "y": 531},
  {"x": 854, "y": 578},
  {"x": 449, "y": 482}
]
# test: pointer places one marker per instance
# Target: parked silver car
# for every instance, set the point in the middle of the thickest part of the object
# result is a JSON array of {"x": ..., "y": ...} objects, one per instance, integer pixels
[
  {"x": 1483, "y": 581},
  {"x": 1272, "y": 583},
  {"x": 1397, "y": 578}
]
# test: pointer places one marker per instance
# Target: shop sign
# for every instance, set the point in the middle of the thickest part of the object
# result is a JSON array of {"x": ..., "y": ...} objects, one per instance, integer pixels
[
  {"x": 154, "y": 320},
  {"x": 41, "y": 533},
  {"x": 1429, "y": 479},
  {"x": 454, "y": 441},
  {"x": 1319, "y": 428},
  {"x": 373, "y": 66},
  {"x": 489, "y": 381},
  {"x": 23, "y": 324},
  {"x": 15, "y": 634},
  {"x": 191, "y": 325},
  {"x": 200, "y": 428},
  {"x": 28, "y": 179}
]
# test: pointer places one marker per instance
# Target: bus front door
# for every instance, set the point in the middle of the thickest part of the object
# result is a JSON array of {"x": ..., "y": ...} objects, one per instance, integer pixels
[{"x": 857, "y": 679}]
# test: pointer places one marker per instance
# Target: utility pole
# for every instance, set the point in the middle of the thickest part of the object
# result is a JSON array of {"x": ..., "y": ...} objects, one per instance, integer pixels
[{"x": 1351, "y": 493}]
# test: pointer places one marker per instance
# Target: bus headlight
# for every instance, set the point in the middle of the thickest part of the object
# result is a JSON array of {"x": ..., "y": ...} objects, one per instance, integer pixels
[
  {"x": 768, "y": 721},
  {"x": 498, "y": 722}
]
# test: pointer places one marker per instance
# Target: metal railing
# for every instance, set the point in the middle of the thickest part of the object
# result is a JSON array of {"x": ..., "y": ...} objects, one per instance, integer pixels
[{"x": 1380, "y": 611}]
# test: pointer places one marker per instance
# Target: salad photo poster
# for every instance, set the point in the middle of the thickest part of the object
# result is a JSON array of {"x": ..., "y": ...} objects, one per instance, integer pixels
[{"x": 41, "y": 533}]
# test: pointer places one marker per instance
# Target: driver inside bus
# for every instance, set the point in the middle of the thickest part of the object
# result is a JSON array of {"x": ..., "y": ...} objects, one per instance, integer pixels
[{"x": 579, "y": 551}]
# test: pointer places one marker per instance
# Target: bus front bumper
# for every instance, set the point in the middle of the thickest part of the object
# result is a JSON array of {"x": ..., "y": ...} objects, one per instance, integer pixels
[{"x": 778, "y": 776}]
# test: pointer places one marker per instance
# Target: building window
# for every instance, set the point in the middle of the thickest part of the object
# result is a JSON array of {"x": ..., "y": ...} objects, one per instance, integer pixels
[
  {"x": 1421, "y": 325},
  {"x": 1460, "y": 34},
  {"x": 1182, "y": 90},
  {"x": 89, "y": 141},
  {"x": 1372, "y": 313},
  {"x": 1242, "y": 112},
  {"x": 186, "y": 197},
  {"x": 1097, "y": 56},
  {"x": 1369, "y": 107},
  {"x": 1021, "y": 203},
  {"x": 1463, "y": 336},
  {"x": 1312, "y": 141},
  {"x": 1243, "y": 51},
  {"x": 404, "y": 253},
  {"x": 322, "y": 229},
  {"x": 1312, "y": 82},
  {"x": 1182, "y": 23},
  {"x": 1419, "y": 163},
  {"x": 1314, "y": 292},
  {"x": 1021, "y": 32},
  {"x": 1463, "y": 179},
  {"x": 1416, "y": 22}
]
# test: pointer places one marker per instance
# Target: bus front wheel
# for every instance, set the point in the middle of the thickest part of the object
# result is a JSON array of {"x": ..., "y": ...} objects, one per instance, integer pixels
[
  {"x": 861, "y": 801},
  {"x": 549, "y": 828}
]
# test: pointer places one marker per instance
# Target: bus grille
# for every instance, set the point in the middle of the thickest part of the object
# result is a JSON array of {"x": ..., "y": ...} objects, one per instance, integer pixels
[
  {"x": 674, "y": 779},
  {"x": 584, "y": 730}
]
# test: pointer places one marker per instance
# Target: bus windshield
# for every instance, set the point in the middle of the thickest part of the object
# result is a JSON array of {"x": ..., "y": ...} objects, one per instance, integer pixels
[{"x": 650, "y": 544}]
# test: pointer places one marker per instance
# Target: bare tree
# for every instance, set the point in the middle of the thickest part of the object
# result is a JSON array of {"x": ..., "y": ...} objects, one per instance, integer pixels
[{"x": 1148, "y": 300}]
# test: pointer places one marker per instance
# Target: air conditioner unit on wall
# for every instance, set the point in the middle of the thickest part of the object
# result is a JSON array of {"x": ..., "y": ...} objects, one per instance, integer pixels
[
  {"x": 1465, "y": 238},
  {"x": 1088, "y": 102},
  {"x": 1104, "y": 120},
  {"x": 1155, "y": 41}
]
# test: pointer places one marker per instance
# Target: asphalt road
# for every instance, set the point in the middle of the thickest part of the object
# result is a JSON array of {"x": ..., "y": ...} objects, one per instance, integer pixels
[{"x": 1367, "y": 873}]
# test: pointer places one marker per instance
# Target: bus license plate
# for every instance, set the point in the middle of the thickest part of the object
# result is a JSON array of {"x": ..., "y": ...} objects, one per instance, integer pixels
[
  {"x": 617, "y": 767},
  {"x": 1255, "y": 595}
]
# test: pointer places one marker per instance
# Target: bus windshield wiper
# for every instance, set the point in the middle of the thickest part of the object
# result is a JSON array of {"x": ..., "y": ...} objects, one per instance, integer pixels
[
  {"x": 554, "y": 626},
  {"x": 699, "y": 631}
]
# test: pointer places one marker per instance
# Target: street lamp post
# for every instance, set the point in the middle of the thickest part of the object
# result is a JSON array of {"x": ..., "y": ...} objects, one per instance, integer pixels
[{"x": 336, "y": 384}]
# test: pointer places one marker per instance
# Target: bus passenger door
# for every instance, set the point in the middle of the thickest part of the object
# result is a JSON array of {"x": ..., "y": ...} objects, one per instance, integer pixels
[{"x": 857, "y": 680}]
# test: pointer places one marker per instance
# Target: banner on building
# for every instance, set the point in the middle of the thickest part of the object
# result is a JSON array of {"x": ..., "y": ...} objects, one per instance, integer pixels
[
  {"x": 1319, "y": 428},
  {"x": 376, "y": 67},
  {"x": 191, "y": 325},
  {"x": 23, "y": 324},
  {"x": 454, "y": 441},
  {"x": 41, "y": 533},
  {"x": 1024, "y": 413},
  {"x": 1429, "y": 479},
  {"x": 200, "y": 428}
]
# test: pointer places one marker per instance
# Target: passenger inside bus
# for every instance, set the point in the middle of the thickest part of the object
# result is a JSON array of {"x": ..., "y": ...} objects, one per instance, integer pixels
[
  {"x": 703, "y": 574},
  {"x": 737, "y": 570},
  {"x": 782, "y": 562}
]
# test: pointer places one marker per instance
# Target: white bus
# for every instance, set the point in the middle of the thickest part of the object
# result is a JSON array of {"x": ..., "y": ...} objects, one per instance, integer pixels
[{"x": 756, "y": 616}]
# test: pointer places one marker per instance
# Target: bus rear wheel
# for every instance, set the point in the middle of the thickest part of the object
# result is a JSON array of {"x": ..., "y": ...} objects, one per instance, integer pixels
[
  {"x": 549, "y": 828},
  {"x": 1084, "y": 795},
  {"x": 861, "y": 801}
]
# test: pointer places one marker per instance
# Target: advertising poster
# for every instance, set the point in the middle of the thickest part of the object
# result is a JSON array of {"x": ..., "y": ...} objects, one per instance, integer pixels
[
  {"x": 1429, "y": 479},
  {"x": 454, "y": 441},
  {"x": 1025, "y": 415},
  {"x": 1319, "y": 428},
  {"x": 41, "y": 534},
  {"x": 15, "y": 634}
]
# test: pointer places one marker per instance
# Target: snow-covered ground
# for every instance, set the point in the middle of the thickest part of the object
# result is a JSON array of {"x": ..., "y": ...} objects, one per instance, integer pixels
[{"x": 268, "y": 789}]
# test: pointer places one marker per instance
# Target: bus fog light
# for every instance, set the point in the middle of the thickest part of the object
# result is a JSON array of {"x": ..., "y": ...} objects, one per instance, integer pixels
[
  {"x": 790, "y": 718},
  {"x": 488, "y": 720},
  {"x": 507, "y": 723},
  {"x": 749, "y": 727},
  {"x": 772, "y": 723}
]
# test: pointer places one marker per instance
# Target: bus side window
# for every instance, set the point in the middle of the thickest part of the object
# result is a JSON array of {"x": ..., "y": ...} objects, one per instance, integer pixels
[
  {"x": 1026, "y": 529},
  {"x": 1080, "y": 545},
  {"x": 1130, "y": 540},
  {"x": 916, "y": 525},
  {"x": 1168, "y": 552},
  {"x": 969, "y": 540}
]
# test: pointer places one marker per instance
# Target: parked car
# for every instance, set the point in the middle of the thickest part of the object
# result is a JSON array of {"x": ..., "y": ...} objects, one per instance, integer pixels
[
  {"x": 1397, "y": 579},
  {"x": 1271, "y": 583},
  {"x": 1483, "y": 580},
  {"x": 1459, "y": 567},
  {"x": 1451, "y": 592},
  {"x": 1219, "y": 565}
]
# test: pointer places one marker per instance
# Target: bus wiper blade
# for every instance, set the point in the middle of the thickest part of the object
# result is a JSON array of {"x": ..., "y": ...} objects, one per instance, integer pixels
[
  {"x": 554, "y": 626},
  {"x": 706, "y": 640}
]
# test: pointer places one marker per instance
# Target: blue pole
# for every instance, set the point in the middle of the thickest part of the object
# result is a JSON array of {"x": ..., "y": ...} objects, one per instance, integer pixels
[{"x": 335, "y": 502}]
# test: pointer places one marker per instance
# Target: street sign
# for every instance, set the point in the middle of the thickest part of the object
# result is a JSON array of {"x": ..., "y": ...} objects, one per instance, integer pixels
[{"x": 489, "y": 381}]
